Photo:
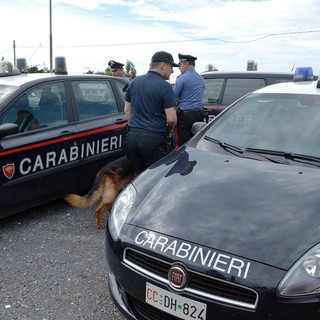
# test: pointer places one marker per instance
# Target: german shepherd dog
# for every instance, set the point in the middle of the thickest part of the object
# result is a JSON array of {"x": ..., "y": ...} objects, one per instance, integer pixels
[{"x": 110, "y": 180}]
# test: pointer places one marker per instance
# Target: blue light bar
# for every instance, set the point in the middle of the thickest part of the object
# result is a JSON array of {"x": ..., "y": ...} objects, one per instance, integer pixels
[{"x": 303, "y": 74}]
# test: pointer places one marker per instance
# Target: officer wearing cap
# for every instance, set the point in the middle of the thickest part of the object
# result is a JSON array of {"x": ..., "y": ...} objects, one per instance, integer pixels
[
  {"x": 189, "y": 91},
  {"x": 116, "y": 68},
  {"x": 150, "y": 106}
]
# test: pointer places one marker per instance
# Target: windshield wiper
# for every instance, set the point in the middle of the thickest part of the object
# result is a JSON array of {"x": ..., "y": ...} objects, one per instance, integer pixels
[
  {"x": 266, "y": 154},
  {"x": 263, "y": 152},
  {"x": 237, "y": 151},
  {"x": 296, "y": 157},
  {"x": 303, "y": 158},
  {"x": 224, "y": 145}
]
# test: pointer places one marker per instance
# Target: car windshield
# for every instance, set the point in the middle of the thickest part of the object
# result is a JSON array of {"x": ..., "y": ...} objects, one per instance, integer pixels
[
  {"x": 287, "y": 123},
  {"x": 5, "y": 90}
]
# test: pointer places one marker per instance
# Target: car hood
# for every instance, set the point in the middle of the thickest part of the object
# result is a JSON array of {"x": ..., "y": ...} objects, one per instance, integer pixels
[{"x": 258, "y": 210}]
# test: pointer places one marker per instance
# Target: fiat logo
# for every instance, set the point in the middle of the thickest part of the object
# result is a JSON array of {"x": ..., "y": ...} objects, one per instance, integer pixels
[{"x": 177, "y": 277}]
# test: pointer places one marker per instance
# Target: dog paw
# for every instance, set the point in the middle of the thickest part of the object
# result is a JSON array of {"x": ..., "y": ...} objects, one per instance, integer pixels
[{"x": 101, "y": 226}]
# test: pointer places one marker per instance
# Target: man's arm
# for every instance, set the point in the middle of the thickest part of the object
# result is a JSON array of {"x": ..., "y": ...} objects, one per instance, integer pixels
[
  {"x": 171, "y": 114},
  {"x": 178, "y": 88},
  {"x": 127, "y": 109}
]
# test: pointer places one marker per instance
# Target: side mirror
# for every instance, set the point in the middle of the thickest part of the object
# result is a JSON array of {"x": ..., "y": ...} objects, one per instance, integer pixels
[
  {"x": 197, "y": 126},
  {"x": 7, "y": 129}
]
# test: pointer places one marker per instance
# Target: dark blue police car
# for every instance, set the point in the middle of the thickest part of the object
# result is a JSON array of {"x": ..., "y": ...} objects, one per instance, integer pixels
[
  {"x": 56, "y": 132},
  {"x": 228, "y": 225}
]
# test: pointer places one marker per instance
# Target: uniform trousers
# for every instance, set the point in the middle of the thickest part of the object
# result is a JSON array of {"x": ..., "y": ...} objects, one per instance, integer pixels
[
  {"x": 185, "y": 121},
  {"x": 144, "y": 148}
]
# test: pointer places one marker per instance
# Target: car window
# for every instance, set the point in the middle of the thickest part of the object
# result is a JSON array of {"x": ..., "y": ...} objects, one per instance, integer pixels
[
  {"x": 52, "y": 108},
  {"x": 6, "y": 90},
  {"x": 94, "y": 99},
  {"x": 212, "y": 90},
  {"x": 42, "y": 106},
  {"x": 236, "y": 88},
  {"x": 122, "y": 86},
  {"x": 280, "y": 80}
]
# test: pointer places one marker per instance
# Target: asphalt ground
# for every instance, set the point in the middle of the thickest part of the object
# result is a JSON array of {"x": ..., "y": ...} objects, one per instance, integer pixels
[{"x": 53, "y": 266}]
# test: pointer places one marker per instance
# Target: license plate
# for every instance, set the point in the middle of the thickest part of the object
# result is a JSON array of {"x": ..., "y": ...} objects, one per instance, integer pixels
[{"x": 175, "y": 304}]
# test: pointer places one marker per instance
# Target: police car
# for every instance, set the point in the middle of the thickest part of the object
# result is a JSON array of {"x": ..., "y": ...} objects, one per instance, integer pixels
[
  {"x": 56, "y": 132},
  {"x": 225, "y": 87},
  {"x": 228, "y": 225}
]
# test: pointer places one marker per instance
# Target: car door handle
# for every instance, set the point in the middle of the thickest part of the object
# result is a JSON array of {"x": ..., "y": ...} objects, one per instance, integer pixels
[
  {"x": 66, "y": 133},
  {"x": 118, "y": 121}
]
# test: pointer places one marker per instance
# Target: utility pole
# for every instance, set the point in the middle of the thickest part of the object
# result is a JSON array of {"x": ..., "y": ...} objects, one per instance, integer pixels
[
  {"x": 14, "y": 52},
  {"x": 50, "y": 35}
]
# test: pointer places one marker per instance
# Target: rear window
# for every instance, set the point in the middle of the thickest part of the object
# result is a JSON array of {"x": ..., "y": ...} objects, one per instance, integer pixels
[
  {"x": 236, "y": 88},
  {"x": 233, "y": 89},
  {"x": 212, "y": 90}
]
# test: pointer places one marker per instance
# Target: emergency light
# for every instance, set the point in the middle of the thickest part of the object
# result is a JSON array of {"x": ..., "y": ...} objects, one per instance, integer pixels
[
  {"x": 22, "y": 65},
  {"x": 60, "y": 65},
  {"x": 303, "y": 74}
]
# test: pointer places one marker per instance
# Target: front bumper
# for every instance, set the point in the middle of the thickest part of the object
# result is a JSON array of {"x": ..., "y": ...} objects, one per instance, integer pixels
[{"x": 128, "y": 285}]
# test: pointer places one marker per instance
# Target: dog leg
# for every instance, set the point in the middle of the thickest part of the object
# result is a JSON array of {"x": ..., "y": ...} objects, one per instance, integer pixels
[
  {"x": 99, "y": 217},
  {"x": 106, "y": 205}
]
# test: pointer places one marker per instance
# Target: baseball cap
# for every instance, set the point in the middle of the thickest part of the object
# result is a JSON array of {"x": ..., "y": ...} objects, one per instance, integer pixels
[{"x": 162, "y": 56}]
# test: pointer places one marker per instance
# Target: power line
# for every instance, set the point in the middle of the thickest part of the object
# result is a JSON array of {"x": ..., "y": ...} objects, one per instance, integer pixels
[
  {"x": 179, "y": 41},
  {"x": 6, "y": 50},
  {"x": 272, "y": 35},
  {"x": 194, "y": 40}
]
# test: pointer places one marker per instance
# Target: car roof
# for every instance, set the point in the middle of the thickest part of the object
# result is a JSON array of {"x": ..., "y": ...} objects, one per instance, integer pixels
[
  {"x": 299, "y": 87},
  {"x": 244, "y": 74},
  {"x": 21, "y": 79},
  {"x": 18, "y": 80}
]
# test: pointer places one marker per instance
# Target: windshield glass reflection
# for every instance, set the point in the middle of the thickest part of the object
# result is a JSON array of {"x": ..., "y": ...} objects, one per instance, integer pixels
[{"x": 279, "y": 122}]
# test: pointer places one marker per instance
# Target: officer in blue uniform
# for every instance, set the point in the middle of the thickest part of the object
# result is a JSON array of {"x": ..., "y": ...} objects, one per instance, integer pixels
[
  {"x": 116, "y": 68},
  {"x": 150, "y": 106},
  {"x": 189, "y": 91}
]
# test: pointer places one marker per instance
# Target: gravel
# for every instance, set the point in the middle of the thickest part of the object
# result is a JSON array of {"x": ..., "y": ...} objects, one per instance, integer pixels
[{"x": 53, "y": 266}]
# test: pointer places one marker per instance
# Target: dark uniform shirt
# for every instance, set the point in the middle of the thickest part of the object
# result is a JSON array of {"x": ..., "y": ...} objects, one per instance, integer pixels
[
  {"x": 144, "y": 93},
  {"x": 189, "y": 90}
]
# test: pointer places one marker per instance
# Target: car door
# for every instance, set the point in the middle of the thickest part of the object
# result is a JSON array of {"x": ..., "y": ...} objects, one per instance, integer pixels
[
  {"x": 101, "y": 122},
  {"x": 41, "y": 162}
]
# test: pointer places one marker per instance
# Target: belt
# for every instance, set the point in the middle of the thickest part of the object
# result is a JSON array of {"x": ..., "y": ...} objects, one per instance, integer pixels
[
  {"x": 185, "y": 111},
  {"x": 139, "y": 130}
]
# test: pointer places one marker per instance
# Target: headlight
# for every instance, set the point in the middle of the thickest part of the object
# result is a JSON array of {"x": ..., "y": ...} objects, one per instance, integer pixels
[
  {"x": 120, "y": 210},
  {"x": 304, "y": 276}
]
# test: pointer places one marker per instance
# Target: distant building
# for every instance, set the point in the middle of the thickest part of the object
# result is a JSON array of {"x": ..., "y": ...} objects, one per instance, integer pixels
[{"x": 252, "y": 65}]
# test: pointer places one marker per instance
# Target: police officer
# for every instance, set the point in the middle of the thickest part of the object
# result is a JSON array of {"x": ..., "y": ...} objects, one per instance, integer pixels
[
  {"x": 150, "y": 106},
  {"x": 116, "y": 68},
  {"x": 189, "y": 91}
]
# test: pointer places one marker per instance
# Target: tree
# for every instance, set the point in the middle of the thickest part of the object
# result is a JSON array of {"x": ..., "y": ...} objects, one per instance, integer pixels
[
  {"x": 130, "y": 69},
  {"x": 35, "y": 69},
  {"x": 89, "y": 71}
]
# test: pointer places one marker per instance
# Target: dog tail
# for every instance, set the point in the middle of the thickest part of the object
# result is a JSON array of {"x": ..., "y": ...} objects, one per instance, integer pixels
[{"x": 89, "y": 199}]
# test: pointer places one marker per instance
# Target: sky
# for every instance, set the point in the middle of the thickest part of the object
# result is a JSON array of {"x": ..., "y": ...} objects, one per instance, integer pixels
[{"x": 277, "y": 35}]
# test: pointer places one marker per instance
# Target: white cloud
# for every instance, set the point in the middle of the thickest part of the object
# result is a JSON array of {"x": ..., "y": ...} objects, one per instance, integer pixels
[{"x": 90, "y": 33}]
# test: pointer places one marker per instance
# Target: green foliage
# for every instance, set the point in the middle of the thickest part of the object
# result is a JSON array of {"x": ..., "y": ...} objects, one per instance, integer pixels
[
  {"x": 89, "y": 71},
  {"x": 35, "y": 69},
  {"x": 130, "y": 69}
]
